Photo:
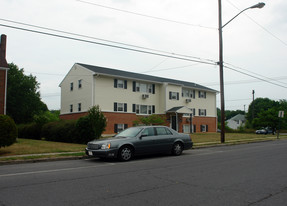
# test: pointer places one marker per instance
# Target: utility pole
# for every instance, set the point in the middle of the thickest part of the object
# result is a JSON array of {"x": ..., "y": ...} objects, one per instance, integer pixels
[{"x": 221, "y": 73}]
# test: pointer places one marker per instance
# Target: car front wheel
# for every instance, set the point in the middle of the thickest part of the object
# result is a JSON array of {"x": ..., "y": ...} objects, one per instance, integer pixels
[
  {"x": 125, "y": 153},
  {"x": 177, "y": 149}
]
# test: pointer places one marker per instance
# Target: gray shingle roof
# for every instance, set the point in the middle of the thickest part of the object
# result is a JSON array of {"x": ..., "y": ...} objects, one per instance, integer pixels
[{"x": 132, "y": 75}]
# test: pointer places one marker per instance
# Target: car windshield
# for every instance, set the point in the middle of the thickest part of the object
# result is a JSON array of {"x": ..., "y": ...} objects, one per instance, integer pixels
[{"x": 130, "y": 132}]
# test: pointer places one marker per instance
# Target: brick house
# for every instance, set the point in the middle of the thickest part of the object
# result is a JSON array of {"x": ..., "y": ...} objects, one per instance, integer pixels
[{"x": 123, "y": 96}]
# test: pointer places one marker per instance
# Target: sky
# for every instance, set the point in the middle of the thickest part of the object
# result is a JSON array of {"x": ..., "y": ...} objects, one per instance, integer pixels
[{"x": 254, "y": 43}]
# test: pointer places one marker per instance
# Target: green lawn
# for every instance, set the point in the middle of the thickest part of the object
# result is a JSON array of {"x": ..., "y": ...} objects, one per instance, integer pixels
[{"x": 28, "y": 146}]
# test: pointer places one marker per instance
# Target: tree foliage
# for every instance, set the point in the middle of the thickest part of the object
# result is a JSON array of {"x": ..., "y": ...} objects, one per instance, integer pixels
[
  {"x": 150, "y": 120},
  {"x": 92, "y": 126},
  {"x": 23, "y": 96},
  {"x": 265, "y": 112}
]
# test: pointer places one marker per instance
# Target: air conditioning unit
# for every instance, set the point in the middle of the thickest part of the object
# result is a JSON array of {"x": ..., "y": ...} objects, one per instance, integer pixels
[
  {"x": 188, "y": 100},
  {"x": 144, "y": 96}
]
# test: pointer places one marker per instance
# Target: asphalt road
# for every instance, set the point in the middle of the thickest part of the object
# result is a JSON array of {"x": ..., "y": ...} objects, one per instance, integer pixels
[{"x": 250, "y": 174}]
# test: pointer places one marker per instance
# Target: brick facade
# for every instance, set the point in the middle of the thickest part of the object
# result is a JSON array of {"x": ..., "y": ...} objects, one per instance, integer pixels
[{"x": 114, "y": 118}]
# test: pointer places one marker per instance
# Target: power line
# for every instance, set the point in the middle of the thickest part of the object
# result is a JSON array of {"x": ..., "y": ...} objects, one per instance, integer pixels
[
  {"x": 105, "y": 40},
  {"x": 255, "y": 77},
  {"x": 174, "y": 56},
  {"x": 262, "y": 27},
  {"x": 120, "y": 43},
  {"x": 268, "y": 78},
  {"x": 145, "y": 15}
]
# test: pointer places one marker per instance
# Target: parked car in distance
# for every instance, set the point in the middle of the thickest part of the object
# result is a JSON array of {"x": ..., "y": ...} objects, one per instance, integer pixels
[
  {"x": 140, "y": 141},
  {"x": 266, "y": 130}
]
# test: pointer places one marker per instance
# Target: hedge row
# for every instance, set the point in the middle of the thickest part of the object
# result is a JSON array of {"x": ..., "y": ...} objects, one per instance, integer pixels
[{"x": 68, "y": 131}]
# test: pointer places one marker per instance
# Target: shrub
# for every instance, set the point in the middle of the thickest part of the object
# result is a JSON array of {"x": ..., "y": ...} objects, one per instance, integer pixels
[
  {"x": 61, "y": 131},
  {"x": 153, "y": 119},
  {"x": 8, "y": 131},
  {"x": 30, "y": 131}
]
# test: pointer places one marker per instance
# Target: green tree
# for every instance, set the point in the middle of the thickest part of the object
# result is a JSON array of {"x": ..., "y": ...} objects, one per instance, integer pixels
[
  {"x": 92, "y": 126},
  {"x": 266, "y": 113},
  {"x": 23, "y": 97},
  {"x": 259, "y": 105}
]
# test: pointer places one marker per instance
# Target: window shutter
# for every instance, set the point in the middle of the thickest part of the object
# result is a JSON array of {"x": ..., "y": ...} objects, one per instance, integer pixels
[
  {"x": 205, "y": 112},
  {"x": 125, "y": 107},
  {"x": 194, "y": 112},
  {"x": 177, "y": 96},
  {"x": 204, "y": 94},
  {"x": 199, "y": 94},
  {"x": 193, "y": 94},
  {"x": 126, "y": 126},
  {"x": 199, "y": 112},
  {"x": 134, "y": 107},
  {"x": 126, "y": 84},
  {"x": 134, "y": 86},
  {"x": 153, "y": 109},
  {"x": 169, "y": 95},
  {"x": 201, "y": 128},
  {"x": 206, "y": 128},
  {"x": 153, "y": 88},
  {"x": 115, "y": 128},
  {"x": 194, "y": 128},
  {"x": 115, "y": 106},
  {"x": 115, "y": 83}
]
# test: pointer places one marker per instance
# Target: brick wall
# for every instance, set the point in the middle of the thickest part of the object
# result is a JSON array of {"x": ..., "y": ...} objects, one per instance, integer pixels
[{"x": 128, "y": 118}]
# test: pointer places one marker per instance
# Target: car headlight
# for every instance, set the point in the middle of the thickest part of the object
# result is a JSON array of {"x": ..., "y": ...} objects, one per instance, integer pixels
[{"x": 106, "y": 146}]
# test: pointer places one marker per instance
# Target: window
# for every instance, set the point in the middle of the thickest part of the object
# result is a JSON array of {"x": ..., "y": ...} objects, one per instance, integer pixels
[
  {"x": 79, "y": 83},
  {"x": 120, "y": 107},
  {"x": 71, "y": 86},
  {"x": 202, "y": 112},
  {"x": 188, "y": 93},
  {"x": 201, "y": 94},
  {"x": 143, "y": 87},
  {"x": 120, "y": 127},
  {"x": 174, "y": 95},
  {"x": 79, "y": 107},
  {"x": 204, "y": 128},
  {"x": 186, "y": 128},
  {"x": 143, "y": 109},
  {"x": 71, "y": 108},
  {"x": 118, "y": 83},
  {"x": 162, "y": 131},
  {"x": 148, "y": 132}
]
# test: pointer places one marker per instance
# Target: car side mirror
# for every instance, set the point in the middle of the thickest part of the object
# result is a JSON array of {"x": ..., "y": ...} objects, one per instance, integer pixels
[{"x": 143, "y": 135}]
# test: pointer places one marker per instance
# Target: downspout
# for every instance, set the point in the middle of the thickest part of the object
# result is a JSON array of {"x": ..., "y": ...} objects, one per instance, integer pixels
[{"x": 93, "y": 86}]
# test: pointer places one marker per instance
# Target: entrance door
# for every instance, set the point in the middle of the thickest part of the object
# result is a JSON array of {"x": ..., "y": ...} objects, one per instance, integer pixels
[{"x": 173, "y": 122}]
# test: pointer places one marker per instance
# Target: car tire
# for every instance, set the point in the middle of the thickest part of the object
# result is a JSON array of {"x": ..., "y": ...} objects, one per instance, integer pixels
[
  {"x": 125, "y": 153},
  {"x": 177, "y": 149}
]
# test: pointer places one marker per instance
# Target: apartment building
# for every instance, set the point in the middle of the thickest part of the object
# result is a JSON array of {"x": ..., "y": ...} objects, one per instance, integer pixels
[{"x": 123, "y": 96}]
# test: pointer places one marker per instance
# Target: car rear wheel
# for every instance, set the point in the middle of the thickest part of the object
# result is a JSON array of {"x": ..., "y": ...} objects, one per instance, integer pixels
[
  {"x": 125, "y": 153},
  {"x": 177, "y": 149}
]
